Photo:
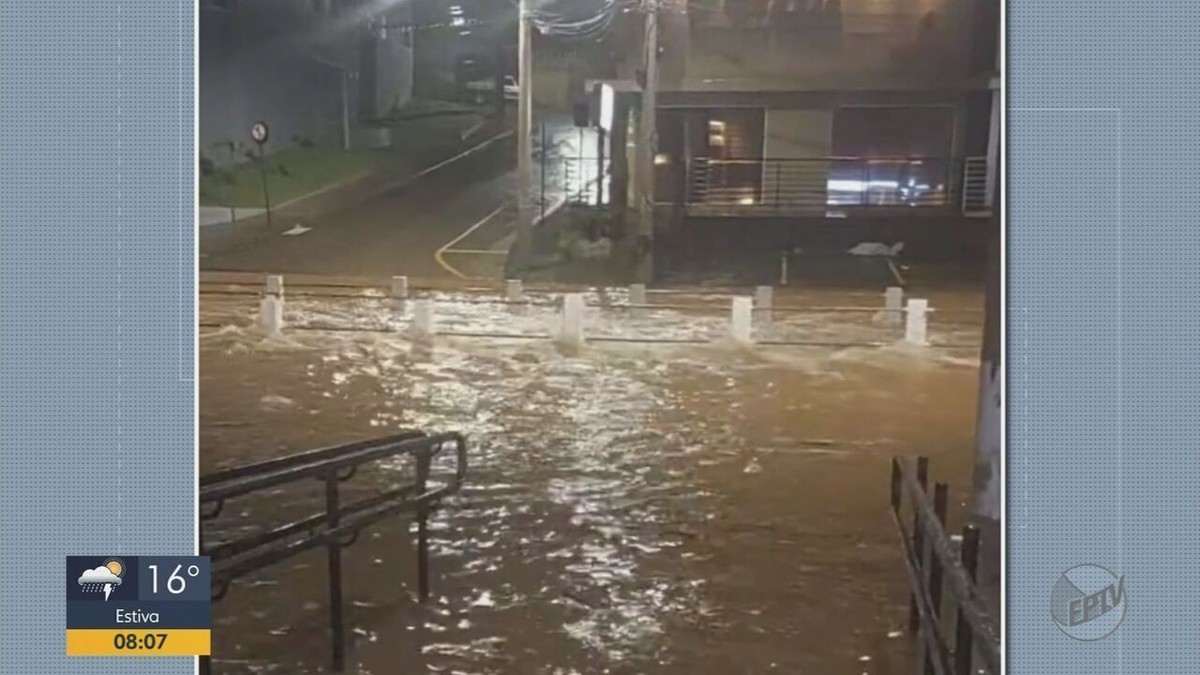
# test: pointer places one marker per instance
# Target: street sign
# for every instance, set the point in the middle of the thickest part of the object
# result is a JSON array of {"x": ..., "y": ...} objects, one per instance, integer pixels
[{"x": 259, "y": 132}]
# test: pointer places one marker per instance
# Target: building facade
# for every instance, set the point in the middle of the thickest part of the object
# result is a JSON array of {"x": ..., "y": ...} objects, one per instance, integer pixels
[{"x": 815, "y": 125}]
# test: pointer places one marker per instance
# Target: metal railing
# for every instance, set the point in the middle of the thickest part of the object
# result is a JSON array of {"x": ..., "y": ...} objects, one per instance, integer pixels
[
  {"x": 934, "y": 566},
  {"x": 339, "y": 525},
  {"x": 819, "y": 185},
  {"x": 976, "y": 197}
]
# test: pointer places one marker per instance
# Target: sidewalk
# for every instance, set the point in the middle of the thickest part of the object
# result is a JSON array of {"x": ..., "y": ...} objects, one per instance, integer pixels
[
  {"x": 215, "y": 215},
  {"x": 298, "y": 175}
]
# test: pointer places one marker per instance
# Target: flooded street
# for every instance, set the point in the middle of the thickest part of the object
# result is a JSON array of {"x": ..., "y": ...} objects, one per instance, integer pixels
[{"x": 630, "y": 507}]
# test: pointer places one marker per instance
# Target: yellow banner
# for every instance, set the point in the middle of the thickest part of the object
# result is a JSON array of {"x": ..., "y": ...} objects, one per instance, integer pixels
[{"x": 138, "y": 642}]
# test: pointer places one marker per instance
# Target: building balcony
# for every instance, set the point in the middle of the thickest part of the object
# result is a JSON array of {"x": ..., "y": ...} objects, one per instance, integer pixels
[{"x": 829, "y": 187}]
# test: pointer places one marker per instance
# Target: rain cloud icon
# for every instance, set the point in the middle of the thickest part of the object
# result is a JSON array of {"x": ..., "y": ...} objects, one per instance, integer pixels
[{"x": 103, "y": 578}]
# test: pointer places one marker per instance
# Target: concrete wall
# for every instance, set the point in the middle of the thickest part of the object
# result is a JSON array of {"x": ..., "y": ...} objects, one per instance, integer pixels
[
  {"x": 711, "y": 247},
  {"x": 275, "y": 61},
  {"x": 247, "y": 75},
  {"x": 393, "y": 67}
]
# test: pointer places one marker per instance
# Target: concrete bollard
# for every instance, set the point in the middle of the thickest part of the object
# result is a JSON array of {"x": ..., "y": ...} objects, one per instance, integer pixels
[
  {"x": 270, "y": 314},
  {"x": 741, "y": 320},
  {"x": 893, "y": 304},
  {"x": 512, "y": 290},
  {"x": 422, "y": 321},
  {"x": 637, "y": 296},
  {"x": 275, "y": 285},
  {"x": 916, "y": 324},
  {"x": 399, "y": 288},
  {"x": 570, "y": 329}
]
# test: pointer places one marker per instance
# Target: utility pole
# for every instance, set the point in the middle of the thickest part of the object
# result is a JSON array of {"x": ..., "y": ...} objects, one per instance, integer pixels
[
  {"x": 524, "y": 241},
  {"x": 986, "y": 511},
  {"x": 647, "y": 139},
  {"x": 989, "y": 429}
]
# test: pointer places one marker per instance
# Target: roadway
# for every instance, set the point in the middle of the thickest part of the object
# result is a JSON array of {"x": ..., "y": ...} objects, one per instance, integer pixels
[
  {"x": 392, "y": 232},
  {"x": 467, "y": 203}
]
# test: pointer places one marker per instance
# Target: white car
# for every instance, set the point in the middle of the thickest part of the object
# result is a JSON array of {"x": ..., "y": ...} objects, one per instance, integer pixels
[{"x": 483, "y": 89}]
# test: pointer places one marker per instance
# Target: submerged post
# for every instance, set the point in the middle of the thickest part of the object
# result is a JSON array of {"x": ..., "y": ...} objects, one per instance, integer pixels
[
  {"x": 399, "y": 288},
  {"x": 337, "y": 624},
  {"x": 512, "y": 290},
  {"x": 270, "y": 314},
  {"x": 570, "y": 331},
  {"x": 275, "y": 285},
  {"x": 764, "y": 297},
  {"x": 916, "y": 325},
  {"x": 741, "y": 320},
  {"x": 637, "y": 296},
  {"x": 422, "y": 321},
  {"x": 893, "y": 304},
  {"x": 423, "y": 462}
]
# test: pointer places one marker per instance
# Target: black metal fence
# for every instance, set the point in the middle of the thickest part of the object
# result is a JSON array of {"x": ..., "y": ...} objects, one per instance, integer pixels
[
  {"x": 339, "y": 525},
  {"x": 935, "y": 566}
]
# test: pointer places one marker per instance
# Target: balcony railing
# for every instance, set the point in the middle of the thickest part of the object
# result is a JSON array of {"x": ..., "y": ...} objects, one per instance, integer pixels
[
  {"x": 976, "y": 192},
  {"x": 829, "y": 185}
]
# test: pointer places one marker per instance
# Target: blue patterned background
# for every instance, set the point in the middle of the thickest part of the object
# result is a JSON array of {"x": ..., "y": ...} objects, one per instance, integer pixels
[
  {"x": 97, "y": 326},
  {"x": 1103, "y": 459}
]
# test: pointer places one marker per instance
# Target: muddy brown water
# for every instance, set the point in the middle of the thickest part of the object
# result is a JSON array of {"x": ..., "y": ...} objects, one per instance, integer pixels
[{"x": 630, "y": 508}]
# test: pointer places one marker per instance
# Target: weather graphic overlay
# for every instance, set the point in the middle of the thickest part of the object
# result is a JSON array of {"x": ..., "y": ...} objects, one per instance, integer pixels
[
  {"x": 103, "y": 578},
  {"x": 138, "y": 606}
]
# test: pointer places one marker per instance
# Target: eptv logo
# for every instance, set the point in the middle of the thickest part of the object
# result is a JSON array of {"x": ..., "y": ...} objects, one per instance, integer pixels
[{"x": 1088, "y": 602}]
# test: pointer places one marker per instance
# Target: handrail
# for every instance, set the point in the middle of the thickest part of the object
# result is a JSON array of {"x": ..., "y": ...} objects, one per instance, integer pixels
[
  {"x": 338, "y": 526},
  {"x": 931, "y": 560}
]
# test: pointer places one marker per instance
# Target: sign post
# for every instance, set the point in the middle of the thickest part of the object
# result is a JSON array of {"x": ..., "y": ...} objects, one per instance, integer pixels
[{"x": 259, "y": 133}]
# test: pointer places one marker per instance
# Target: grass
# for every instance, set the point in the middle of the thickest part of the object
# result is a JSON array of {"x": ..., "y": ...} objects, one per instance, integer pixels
[{"x": 298, "y": 171}]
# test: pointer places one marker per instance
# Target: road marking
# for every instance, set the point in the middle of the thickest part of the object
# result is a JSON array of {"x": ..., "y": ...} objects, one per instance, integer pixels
[
  {"x": 449, "y": 248},
  {"x": 469, "y": 151},
  {"x": 426, "y": 171},
  {"x": 441, "y": 251},
  {"x": 297, "y": 229},
  {"x": 477, "y": 251}
]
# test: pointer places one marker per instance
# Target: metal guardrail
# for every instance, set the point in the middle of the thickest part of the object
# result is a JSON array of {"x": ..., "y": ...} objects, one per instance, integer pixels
[
  {"x": 339, "y": 525},
  {"x": 976, "y": 197},
  {"x": 934, "y": 566},
  {"x": 818, "y": 185}
]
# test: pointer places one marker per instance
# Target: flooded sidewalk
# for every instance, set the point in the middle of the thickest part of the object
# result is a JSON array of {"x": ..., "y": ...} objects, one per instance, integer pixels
[{"x": 630, "y": 508}]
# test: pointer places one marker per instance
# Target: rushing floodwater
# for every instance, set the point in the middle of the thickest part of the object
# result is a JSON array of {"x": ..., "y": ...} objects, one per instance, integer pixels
[{"x": 631, "y": 508}]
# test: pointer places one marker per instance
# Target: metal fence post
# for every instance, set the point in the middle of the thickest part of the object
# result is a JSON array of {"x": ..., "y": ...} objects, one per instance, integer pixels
[
  {"x": 423, "y": 461},
  {"x": 940, "y": 491},
  {"x": 914, "y": 619},
  {"x": 337, "y": 626},
  {"x": 897, "y": 493},
  {"x": 963, "y": 635}
]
